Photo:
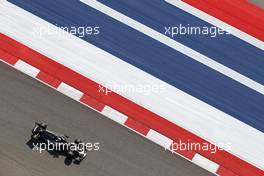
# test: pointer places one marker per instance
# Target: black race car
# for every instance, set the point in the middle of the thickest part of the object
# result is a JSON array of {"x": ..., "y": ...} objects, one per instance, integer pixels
[{"x": 75, "y": 150}]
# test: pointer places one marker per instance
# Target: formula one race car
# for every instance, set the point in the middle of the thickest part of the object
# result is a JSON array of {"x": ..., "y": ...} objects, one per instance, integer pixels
[{"x": 75, "y": 150}]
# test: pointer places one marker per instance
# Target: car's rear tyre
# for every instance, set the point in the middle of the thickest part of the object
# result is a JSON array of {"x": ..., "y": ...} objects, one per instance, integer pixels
[
  {"x": 70, "y": 154},
  {"x": 77, "y": 160}
]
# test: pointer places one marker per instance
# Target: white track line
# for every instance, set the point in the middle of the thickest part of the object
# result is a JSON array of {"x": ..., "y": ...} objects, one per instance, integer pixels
[
  {"x": 159, "y": 139},
  {"x": 70, "y": 91},
  {"x": 26, "y": 68},
  {"x": 205, "y": 163},
  {"x": 114, "y": 115}
]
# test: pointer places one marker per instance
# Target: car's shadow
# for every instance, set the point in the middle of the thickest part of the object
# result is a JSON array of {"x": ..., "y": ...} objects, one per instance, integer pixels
[
  {"x": 56, "y": 154},
  {"x": 30, "y": 144}
]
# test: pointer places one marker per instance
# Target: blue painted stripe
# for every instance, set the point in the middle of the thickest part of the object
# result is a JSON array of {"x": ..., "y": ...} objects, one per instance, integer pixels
[
  {"x": 225, "y": 49},
  {"x": 155, "y": 58}
]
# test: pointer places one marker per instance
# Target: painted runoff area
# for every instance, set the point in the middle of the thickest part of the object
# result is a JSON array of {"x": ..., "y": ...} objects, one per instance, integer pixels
[{"x": 96, "y": 53}]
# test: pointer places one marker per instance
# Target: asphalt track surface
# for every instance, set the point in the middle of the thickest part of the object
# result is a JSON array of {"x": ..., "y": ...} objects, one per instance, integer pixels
[{"x": 24, "y": 100}]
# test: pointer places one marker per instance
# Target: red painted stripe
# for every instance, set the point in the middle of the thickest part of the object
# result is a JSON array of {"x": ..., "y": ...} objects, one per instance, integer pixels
[
  {"x": 48, "y": 79},
  {"x": 175, "y": 147},
  {"x": 135, "y": 125},
  {"x": 125, "y": 106},
  {"x": 7, "y": 57},
  {"x": 88, "y": 100},
  {"x": 224, "y": 172},
  {"x": 239, "y": 13}
]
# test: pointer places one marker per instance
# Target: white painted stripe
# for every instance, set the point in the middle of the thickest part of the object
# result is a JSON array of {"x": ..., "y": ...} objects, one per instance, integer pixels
[
  {"x": 26, "y": 68},
  {"x": 159, "y": 139},
  {"x": 216, "y": 22},
  {"x": 188, "y": 112},
  {"x": 176, "y": 45},
  {"x": 114, "y": 115},
  {"x": 205, "y": 163},
  {"x": 70, "y": 91}
]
